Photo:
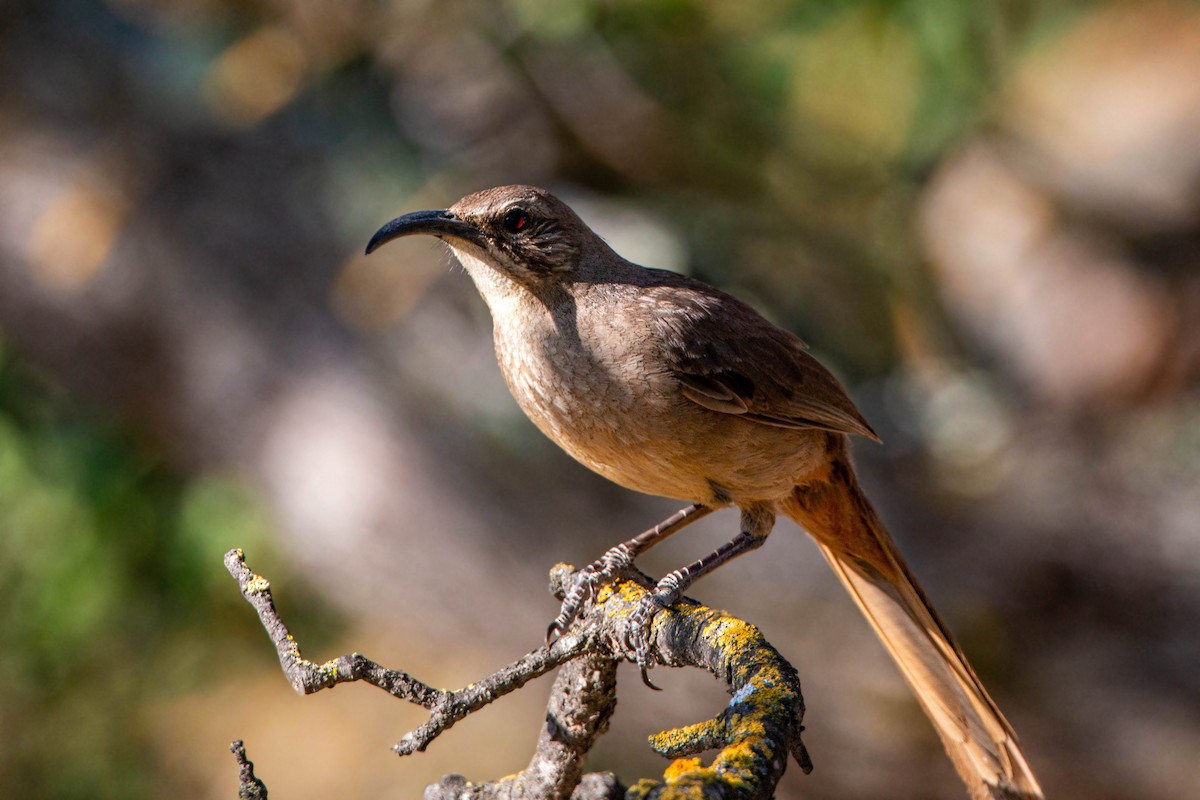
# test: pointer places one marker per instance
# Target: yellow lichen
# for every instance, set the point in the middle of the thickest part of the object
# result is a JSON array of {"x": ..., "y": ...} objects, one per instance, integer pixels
[
  {"x": 679, "y": 767},
  {"x": 752, "y": 729},
  {"x": 257, "y": 585}
]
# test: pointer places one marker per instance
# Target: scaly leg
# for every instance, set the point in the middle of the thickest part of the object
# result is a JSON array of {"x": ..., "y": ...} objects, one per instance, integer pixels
[
  {"x": 604, "y": 569},
  {"x": 757, "y": 521}
]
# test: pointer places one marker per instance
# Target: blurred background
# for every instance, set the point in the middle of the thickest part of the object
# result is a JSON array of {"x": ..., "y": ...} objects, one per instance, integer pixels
[{"x": 985, "y": 216}]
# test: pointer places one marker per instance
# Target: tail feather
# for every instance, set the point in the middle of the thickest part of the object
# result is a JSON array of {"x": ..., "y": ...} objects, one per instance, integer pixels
[{"x": 980, "y": 742}]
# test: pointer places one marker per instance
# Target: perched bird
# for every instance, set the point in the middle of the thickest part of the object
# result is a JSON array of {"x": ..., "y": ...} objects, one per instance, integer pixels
[{"x": 670, "y": 387}]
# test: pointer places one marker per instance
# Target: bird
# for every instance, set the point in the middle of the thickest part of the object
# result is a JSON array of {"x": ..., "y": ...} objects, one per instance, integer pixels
[{"x": 670, "y": 387}]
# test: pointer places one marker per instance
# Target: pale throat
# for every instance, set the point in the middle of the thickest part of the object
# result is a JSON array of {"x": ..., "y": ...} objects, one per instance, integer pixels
[{"x": 501, "y": 293}]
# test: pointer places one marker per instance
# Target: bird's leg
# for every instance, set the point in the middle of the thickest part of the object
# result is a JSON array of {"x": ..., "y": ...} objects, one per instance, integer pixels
[
  {"x": 757, "y": 521},
  {"x": 587, "y": 580}
]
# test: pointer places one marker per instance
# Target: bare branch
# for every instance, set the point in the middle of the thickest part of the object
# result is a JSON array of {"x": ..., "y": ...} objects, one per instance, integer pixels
[
  {"x": 308, "y": 677},
  {"x": 581, "y": 703},
  {"x": 445, "y": 707},
  {"x": 755, "y": 731},
  {"x": 453, "y": 706}
]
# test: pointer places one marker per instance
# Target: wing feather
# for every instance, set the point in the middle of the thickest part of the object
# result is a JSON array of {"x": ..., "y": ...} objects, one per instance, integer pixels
[{"x": 728, "y": 358}]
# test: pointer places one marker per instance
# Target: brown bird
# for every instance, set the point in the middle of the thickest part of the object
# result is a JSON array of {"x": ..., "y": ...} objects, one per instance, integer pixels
[{"x": 670, "y": 387}]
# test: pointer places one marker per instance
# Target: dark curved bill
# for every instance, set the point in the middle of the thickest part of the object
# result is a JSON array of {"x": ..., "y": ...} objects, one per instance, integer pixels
[{"x": 430, "y": 223}]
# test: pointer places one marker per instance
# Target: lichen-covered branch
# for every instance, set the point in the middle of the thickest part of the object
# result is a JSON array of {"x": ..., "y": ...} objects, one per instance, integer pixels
[{"x": 754, "y": 732}]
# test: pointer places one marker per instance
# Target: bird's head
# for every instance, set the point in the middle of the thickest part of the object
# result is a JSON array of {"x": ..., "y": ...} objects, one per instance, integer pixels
[{"x": 523, "y": 233}]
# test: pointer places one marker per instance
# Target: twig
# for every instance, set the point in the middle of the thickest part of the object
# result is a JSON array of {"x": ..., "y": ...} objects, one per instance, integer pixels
[
  {"x": 445, "y": 707},
  {"x": 249, "y": 786}
]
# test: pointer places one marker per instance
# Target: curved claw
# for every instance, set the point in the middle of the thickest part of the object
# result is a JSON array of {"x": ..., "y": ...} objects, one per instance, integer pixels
[
  {"x": 552, "y": 633},
  {"x": 646, "y": 677},
  {"x": 637, "y": 634}
]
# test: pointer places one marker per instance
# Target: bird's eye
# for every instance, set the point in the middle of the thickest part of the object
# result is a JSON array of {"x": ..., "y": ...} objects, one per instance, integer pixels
[{"x": 516, "y": 220}]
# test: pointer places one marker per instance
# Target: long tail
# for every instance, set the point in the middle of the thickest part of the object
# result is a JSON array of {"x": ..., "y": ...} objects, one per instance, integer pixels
[{"x": 980, "y": 742}]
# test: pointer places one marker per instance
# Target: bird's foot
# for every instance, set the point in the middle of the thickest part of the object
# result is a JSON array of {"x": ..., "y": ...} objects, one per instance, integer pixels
[
  {"x": 665, "y": 594},
  {"x": 585, "y": 584}
]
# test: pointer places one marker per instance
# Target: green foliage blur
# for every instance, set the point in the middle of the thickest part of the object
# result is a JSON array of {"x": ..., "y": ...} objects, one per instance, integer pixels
[{"x": 111, "y": 589}]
